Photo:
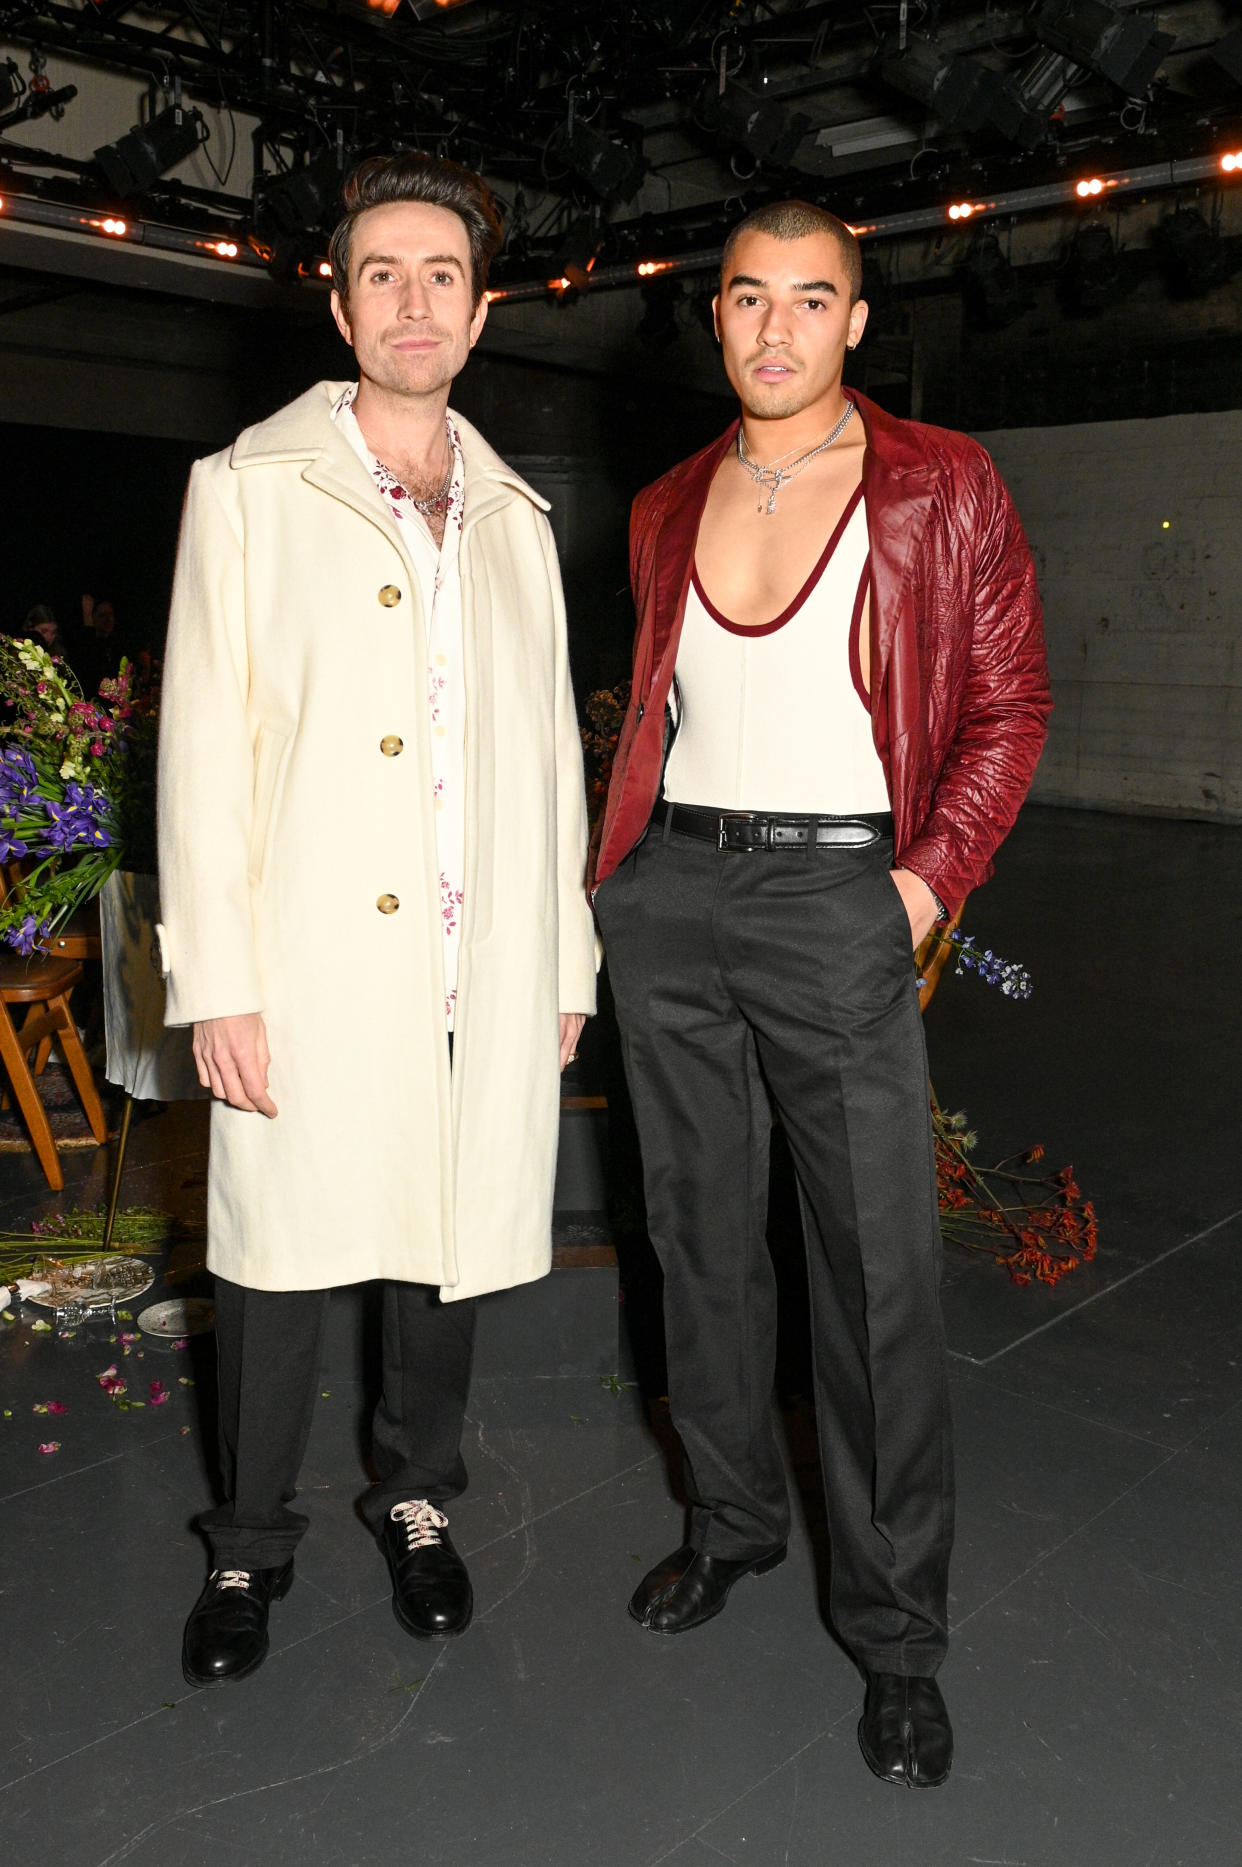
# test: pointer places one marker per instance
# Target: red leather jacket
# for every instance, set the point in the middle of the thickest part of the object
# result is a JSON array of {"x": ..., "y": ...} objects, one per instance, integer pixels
[{"x": 959, "y": 679}]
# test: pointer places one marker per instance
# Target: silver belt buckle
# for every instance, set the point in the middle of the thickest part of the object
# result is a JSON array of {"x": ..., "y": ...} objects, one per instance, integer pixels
[{"x": 736, "y": 816}]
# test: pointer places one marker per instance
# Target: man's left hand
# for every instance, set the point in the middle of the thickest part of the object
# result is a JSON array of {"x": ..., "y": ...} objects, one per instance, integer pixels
[
  {"x": 918, "y": 901},
  {"x": 571, "y": 1030}
]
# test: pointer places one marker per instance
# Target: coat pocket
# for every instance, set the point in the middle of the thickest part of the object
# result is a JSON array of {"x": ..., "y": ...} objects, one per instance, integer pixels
[{"x": 271, "y": 754}]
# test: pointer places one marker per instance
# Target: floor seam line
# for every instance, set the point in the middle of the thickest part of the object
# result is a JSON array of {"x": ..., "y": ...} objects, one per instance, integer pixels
[
  {"x": 696, "y": 1834},
  {"x": 1082, "y": 1419},
  {"x": 1098, "y": 1296},
  {"x": 1077, "y": 1531}
]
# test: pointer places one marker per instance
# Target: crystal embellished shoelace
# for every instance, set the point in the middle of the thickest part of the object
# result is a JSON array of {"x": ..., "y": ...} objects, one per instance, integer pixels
[{"x": 423, "y": 1523}]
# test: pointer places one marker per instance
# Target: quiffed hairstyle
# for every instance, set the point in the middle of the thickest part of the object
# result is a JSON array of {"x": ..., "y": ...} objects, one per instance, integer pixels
[
  {"x": 381, "y": 180},
  {"x": 794, "y": 220}
]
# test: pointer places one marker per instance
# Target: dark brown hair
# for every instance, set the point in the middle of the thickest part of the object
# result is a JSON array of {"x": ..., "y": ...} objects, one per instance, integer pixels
[
  {"x": 434, "y": 180},
  {"x": 794, "y": 220}
]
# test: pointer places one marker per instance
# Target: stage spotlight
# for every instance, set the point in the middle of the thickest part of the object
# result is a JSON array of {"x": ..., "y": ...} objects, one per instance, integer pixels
[
  {"x": 302, "y": 200},
  {"x": 992, "y": 289},
  {"x": 1232, "y": 162},
  {"x": 1086, "y": 189},
  {"x": 761, "y": 126},
  {"x": 961, "y": 210},
  {"x": 574, "y": 263},
  {"x": 1122, "y": 47},
  {"x": 1227, "y": 53},
  {"x": 957, "y": 88},
  {"x": 611, "y": 169},
  {"x": 1189, "y": 254},
  {"x": 137, "y": 160},
  {"x": 1021, "y": 106},
  {"x": 1092, "y": 276}
]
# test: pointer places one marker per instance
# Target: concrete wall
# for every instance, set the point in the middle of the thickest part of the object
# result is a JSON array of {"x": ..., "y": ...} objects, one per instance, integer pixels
[{"x": 1136, "y": 531}]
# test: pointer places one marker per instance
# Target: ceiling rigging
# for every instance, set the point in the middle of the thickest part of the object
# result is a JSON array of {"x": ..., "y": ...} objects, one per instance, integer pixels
[{"x": 610, "y": 131}]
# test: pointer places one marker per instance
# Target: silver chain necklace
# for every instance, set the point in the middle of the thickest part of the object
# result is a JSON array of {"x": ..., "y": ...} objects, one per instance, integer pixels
[
  {"x": 773, "y": 476},
  {"x": 435, "y": 503}
]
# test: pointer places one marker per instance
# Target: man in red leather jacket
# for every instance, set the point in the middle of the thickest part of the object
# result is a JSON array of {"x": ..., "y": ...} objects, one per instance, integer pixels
[{"x": 766, "y": 864}]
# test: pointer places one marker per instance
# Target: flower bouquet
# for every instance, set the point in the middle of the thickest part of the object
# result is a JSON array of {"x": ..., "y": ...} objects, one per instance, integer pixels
[{"x": 77, "y": 787}]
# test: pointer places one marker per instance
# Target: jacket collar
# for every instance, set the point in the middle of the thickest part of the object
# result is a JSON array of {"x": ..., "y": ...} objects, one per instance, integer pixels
[
  {"x": 893, "y": 453},
  {"x": 305, "y": 430},
  {"x": 898, "y": 479}
]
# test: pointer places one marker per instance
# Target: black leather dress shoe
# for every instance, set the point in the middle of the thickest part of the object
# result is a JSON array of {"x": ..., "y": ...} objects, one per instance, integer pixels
[
  {"x": 226, "y": 1634},
  {"x": 688, "y": 1588},
  {"x": 904, "y": 1733},
  {"x": 431, "y": 1593}
]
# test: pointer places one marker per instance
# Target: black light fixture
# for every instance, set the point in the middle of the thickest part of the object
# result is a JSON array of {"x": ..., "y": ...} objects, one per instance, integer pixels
[
  {"x": 955, "y": 87},
  {"x": 302, "y": 200},
  {"x": 150, "y": 149},
  {"x": 1125, "y": 48},
  {"x": 1092, "y": 276},
  {"x": 575, "y": 259},
  {"x": 760, "y": 125},
  {"x": 1021, "y": 105},
  {"x": 1189, "y": 254},
  {"x": 1227, "y": 53},
  {"x": 612, "y": 168},
  {"x": 994, "y": 293}
]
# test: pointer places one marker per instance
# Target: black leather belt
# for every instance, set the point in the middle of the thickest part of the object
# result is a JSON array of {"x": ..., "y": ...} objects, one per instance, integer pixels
[{"x": 749, "y": 830}]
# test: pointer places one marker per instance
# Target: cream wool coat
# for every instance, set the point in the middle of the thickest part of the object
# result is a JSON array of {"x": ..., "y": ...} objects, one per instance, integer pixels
[{"x": 296, "y": 644}]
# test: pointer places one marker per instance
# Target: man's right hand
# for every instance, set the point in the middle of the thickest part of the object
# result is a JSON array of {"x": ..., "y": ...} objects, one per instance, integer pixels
[{"x": 233, "y": 1060}]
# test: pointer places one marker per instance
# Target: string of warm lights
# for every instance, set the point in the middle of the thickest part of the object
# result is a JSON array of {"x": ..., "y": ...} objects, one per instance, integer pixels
[
  {"x": 1151, "y": 178},
  {"x": 32, "y": 211}
]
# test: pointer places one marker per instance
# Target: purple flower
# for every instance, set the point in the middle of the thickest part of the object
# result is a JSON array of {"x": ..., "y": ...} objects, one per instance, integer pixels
[
  {"x": 74, "y": 822},
  {"x": 18, "y": 778},
  {"x": 11, "y": 845},
  {"x": 22, "y": 937}
]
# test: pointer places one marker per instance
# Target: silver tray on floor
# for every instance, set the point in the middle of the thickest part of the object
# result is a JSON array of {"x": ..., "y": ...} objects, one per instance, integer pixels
[
  {"x": 94, "y": 1284},
  {"x": 178, "y": 1317}
]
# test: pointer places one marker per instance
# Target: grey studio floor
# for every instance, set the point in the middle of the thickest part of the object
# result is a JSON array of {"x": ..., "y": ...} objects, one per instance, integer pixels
[{"x": 1095, "y": 1676}]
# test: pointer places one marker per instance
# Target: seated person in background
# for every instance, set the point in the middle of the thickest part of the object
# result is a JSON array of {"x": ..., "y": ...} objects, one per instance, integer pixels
[
  {"x": 41, "y": 626},
  {"x": 97, "y": 654}
]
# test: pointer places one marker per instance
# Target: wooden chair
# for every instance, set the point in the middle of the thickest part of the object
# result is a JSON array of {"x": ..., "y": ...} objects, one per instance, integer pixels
[
  {"x": 79, "y": 938},
  {"x": 43, "y": 987}
]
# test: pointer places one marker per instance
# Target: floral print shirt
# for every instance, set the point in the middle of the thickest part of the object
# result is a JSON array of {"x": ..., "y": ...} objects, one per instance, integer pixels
[{"x": 440, "y": 588}]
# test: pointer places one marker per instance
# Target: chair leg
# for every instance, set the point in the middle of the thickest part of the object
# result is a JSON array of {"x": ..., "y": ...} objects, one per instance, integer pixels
[
  {"x": 33, "y": 1016},
  {"x": 27, "y": 1096},
  {"x": 79, "y": 1068},
  {"x": 114, "y": 1192}
]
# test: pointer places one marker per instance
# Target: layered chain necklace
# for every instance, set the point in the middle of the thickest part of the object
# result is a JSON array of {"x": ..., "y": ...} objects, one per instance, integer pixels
[{"x": 771, "y": 476}]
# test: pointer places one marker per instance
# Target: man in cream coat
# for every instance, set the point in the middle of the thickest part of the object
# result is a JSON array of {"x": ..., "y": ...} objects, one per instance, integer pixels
[{"x": 372, "y": 847}]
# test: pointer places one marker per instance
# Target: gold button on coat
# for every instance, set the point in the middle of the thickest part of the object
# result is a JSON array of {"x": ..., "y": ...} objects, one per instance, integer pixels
[
  {"x": 388, "y": 904},
  {"x": 390, "y": 596},
  {"x": 390, "y": 745}
]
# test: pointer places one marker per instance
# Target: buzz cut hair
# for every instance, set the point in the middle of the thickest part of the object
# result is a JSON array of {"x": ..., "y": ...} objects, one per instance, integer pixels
[
  {"x": 434, "y": 181},
  {"x": 795, "y": 220}
]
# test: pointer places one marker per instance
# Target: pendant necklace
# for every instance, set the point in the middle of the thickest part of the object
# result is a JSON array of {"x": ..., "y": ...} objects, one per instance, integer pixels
[{"x": 772, "y": 476}]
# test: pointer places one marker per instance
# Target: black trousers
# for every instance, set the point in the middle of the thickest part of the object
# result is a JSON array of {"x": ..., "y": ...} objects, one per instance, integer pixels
[
  {"x": 787, "y": 975},
  {"x": 269, "y": 1344}
]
